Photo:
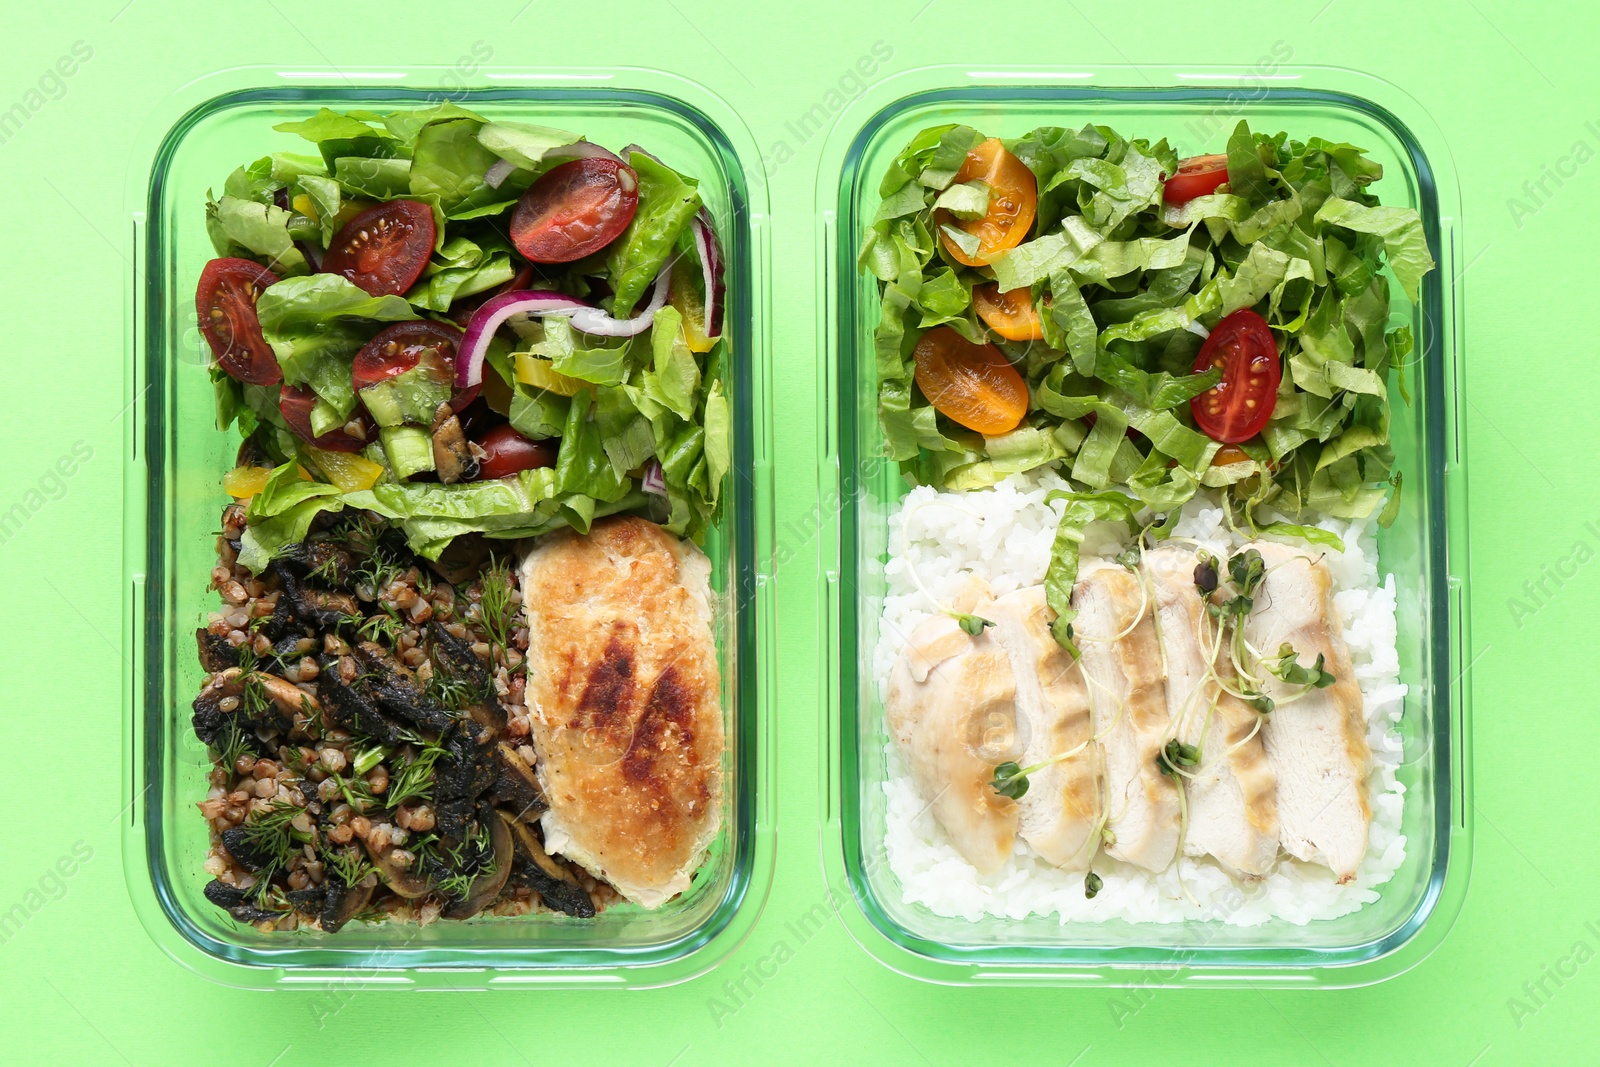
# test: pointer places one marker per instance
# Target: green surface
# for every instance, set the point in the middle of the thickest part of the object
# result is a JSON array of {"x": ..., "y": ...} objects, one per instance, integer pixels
[{"x": 1513, "y": 87}]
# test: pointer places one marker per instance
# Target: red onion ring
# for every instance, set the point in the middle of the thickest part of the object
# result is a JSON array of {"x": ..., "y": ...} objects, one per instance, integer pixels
[
  {"x": 705, "y": 241},
  {"x": 653, "y": 480},
  {"x": 585, "y": 318},
  {"x": 581, "y": 150},
  {"x": 498, "y": 172}
]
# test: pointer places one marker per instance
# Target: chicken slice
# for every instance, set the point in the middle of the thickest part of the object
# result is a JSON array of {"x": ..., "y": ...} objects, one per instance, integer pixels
[
  {"x": 624, "y": 699},
  {"x": 1061, "y": 809},
  {"x": 1127, "y": 690},
  {"x": 951, "y": 710},
  {"x": 1232, "y": 794},
  {"x": 1316, "y": 742}
]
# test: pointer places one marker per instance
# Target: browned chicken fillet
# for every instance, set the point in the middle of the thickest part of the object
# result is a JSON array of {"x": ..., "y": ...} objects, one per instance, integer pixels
[{"x": 623, "y": 694}]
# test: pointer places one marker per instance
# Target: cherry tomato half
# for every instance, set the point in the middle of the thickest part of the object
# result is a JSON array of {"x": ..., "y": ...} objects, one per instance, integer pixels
[
  {"x": 225, "y": 300},
  {"x": 1197, "y": 176},
  {"x": 575, "y": 210},
  {"x": 295, "y": 403},
  {"x": 1010, "y": 314},
  {"x": 1013, "y": 200},
  {"x": 1236, "y": 408},
  {"x": 973, "y": 385},
  {"x": 507, "y": 452},
  {"x": 385, "y": 249},
  {"x": 400, "y": 347}
]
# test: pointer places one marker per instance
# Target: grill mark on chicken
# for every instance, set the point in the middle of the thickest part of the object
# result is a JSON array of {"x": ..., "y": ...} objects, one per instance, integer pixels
[{"x": 609, "y": 690}]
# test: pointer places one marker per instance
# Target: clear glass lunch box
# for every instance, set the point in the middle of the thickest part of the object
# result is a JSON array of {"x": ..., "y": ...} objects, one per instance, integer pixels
[
  {"x": 175, "y": 458},
  {"x": 1425, "y": 548}
]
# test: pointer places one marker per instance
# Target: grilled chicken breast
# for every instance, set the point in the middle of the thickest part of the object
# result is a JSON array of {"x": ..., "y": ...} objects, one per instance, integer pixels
[
  {"x": 1232, "y": 794},
  {"x": 624, "y": 697},
  {"x": 952, "y": 712},
  {"x": 1315, "y": 742},
  {"x": 1127, "y": 690},
  {"x": 1060, "y": 815}
]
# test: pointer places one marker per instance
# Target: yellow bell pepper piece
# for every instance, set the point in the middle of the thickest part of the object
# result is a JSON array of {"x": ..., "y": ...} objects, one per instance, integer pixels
[
  {"x": 682, "y": 295},
  {"x": 537, "y": 371},
  {"x": 242, "y": 483},
  {"x": 348, "y": 471}
]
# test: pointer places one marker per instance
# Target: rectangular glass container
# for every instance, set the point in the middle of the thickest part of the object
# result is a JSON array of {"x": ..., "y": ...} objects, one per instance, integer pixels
[
  {"x": 1425, "y": 548},
  {"x": 175, "y": 457}
]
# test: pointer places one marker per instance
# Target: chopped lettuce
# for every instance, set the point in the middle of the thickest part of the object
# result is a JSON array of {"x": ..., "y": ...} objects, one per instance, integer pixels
[
  {"x": 667, "y": 201},
  {"x": 620, "y": 405},
  {"x": 1126, "y": 288}
]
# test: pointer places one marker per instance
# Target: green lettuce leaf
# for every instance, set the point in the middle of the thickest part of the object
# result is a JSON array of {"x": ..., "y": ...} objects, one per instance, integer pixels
[{"x": 667, "y": 201}]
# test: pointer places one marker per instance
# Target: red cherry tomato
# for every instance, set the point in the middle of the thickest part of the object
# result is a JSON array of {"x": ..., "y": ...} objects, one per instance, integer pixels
[
  {"x": 384, "y": 249},
  {"x": 295, "y": 403},
  {"x": 1197, "y": 176},
  {"x": 226, "y": 303},
  {"x": 398, "y": 348},
  {"x": 1236, "y": 408},
  {"x": 507, "y": 452},
  {"x": 575, "y": 210}
]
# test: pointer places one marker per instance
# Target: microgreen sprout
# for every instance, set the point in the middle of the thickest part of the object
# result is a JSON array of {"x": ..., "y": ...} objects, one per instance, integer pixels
[
  {"x": 1175, "y": 755},
  {"x": 1287, "y": 667},
  {"x": 1010, "y": 779},
  {"x": 1092, "y": 885},
  {"x": 971, "y": 624}
]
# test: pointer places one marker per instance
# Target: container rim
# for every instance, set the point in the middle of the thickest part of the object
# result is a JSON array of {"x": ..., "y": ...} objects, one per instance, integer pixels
[
  {"x": 844, "y": 857},
  {"x": 748, "y": 528}
]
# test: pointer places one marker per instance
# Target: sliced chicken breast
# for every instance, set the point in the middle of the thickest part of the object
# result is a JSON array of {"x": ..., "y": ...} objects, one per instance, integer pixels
[
  {"x": 1127, "y": 690},
  {"x": 624, "y": 697},
  {"x": 1316, "y": 742},
  {"x": 1061, "y": 809},
  {"x": 952, "y": 711},
  {"x": 1232, "y": 794}
]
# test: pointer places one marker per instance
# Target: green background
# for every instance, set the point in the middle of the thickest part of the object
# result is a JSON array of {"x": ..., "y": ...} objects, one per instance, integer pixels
[{"x": 1512, "y": 85}]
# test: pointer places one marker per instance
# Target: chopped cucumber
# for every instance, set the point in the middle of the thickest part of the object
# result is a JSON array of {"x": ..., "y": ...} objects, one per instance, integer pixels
[
  {"x": 410, "y": 397},
  {"x": 409, "y": 448}
]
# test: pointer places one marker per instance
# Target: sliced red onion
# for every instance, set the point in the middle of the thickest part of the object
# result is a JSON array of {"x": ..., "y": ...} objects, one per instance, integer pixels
[
  {"x": 626, "y": 152},
  {"x": 705, "y": 242},
  {"x": 580, "y": 150},
  {"x": 596, "y": 323},
  {"x": 498, "y": 172},
  {"x": 586, "y": 318},
  {"x": 653, "y": 481}
]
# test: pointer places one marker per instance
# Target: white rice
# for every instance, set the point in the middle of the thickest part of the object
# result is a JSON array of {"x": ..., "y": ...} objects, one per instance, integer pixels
[{"x": 1003, "y": 535}]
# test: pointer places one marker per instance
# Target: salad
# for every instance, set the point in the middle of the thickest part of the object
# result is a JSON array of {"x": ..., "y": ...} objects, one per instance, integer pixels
[
  {"x": 1152, "y": 325},
  {"x": 464, "y": 326}
]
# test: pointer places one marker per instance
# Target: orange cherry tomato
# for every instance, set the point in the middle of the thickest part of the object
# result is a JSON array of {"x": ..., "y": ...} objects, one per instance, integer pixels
[
  {"x": 1013, "y": 199},
  {"x": 1009, "y": 314},
  {"x": 973, "y": 385}
]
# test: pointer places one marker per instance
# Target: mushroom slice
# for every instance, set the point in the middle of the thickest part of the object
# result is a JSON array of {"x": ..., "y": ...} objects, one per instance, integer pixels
[
  {"x": 452, "y": 458},
  {"x": 541, "y": 872},
  {"x": 516, "y": 788},
  {"x": 405, "y": 881},
  {"x": 492, "y": 879}
]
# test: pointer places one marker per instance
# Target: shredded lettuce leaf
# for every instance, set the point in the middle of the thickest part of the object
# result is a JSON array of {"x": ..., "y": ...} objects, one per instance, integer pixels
[{"x": 1126, "y": 288}]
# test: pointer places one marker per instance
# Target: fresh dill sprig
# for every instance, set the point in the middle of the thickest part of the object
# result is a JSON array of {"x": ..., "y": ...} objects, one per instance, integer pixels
[
  {"x": 350, "y": 864},
  {"x": 272, "y": 834},
  {"x": 376, "y": 627},
  {"x": 495, "y": 609},
  {"x": 413, "y": 778},
  {"x": 452, "y": 691},
  {"x": 233, "y": 747}
]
